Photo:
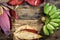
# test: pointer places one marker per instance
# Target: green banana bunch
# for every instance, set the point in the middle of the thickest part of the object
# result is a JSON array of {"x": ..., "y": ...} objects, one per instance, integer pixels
[{"x": 52, "y": 19}]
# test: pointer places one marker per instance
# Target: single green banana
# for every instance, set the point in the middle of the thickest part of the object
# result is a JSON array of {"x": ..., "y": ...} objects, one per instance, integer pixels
[
  {"x": 58, "y": 17},
  {"x": 47, "y": 9},
  {"x": 54, "y": 24},
  {"x": 55, "y": 15},
  {"x": 52, "y": 10},
  {"x": 50, "y": 27},
  {"x": 45, "y": 6},
  {"x": 59, "y": 24},
  {"x": 51, "y": 32},
  {"x": 55, "y": 20},
  {"x": 45, "y": 30}
]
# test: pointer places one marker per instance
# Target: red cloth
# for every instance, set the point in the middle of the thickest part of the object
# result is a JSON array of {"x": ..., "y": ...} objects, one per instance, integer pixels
[
  {"x": 31, "y": 2},
  {"x": 35, "y": 2},
  {"x": 15, "y": 2}
]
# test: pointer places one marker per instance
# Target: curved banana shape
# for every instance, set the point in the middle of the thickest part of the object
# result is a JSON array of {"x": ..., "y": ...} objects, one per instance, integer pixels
[{"x": 52, "y": 19}]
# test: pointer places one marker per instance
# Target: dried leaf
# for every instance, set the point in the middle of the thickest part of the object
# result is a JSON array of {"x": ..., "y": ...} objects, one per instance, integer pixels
[
  {"x": 13, "y": 14},
  {"x": 27, "y": 35},
  {"x": 1, "y": 10},
  {"x": 5, "y": 23},
  {"x": 26, "y": 32}
]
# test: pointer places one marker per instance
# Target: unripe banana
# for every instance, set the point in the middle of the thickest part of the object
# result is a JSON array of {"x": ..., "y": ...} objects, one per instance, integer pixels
[
  {"x": 55, "y": 15},
  {"x": 56, "y": 20},
  {"x": 50, "y": 27},
  {"x": 58, "y": 17},
  {"x": 45, "y": 30},
  {"x": 52, "y": 21},
  {"x": 46, "y": 10},
  {"x": 54, "y": 24},
  {"x": 45, "y": 6},
  {"x": 52, "y": 10},
  {"x": 51, "y": 31}
]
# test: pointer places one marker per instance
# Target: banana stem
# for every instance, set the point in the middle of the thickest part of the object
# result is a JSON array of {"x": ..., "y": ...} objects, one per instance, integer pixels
[{"x": 43, "y": 19}]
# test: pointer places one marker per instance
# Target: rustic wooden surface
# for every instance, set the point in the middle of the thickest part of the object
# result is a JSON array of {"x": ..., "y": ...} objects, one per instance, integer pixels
[{"x": 31, "y": 15}]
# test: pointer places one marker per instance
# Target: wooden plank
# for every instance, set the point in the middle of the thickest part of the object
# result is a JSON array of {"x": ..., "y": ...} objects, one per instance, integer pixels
[{"x": 34, "y": 23}]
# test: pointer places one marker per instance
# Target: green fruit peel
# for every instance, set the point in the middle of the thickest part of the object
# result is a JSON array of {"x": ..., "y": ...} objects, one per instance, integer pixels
[{"x": 52, "y": 21}]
